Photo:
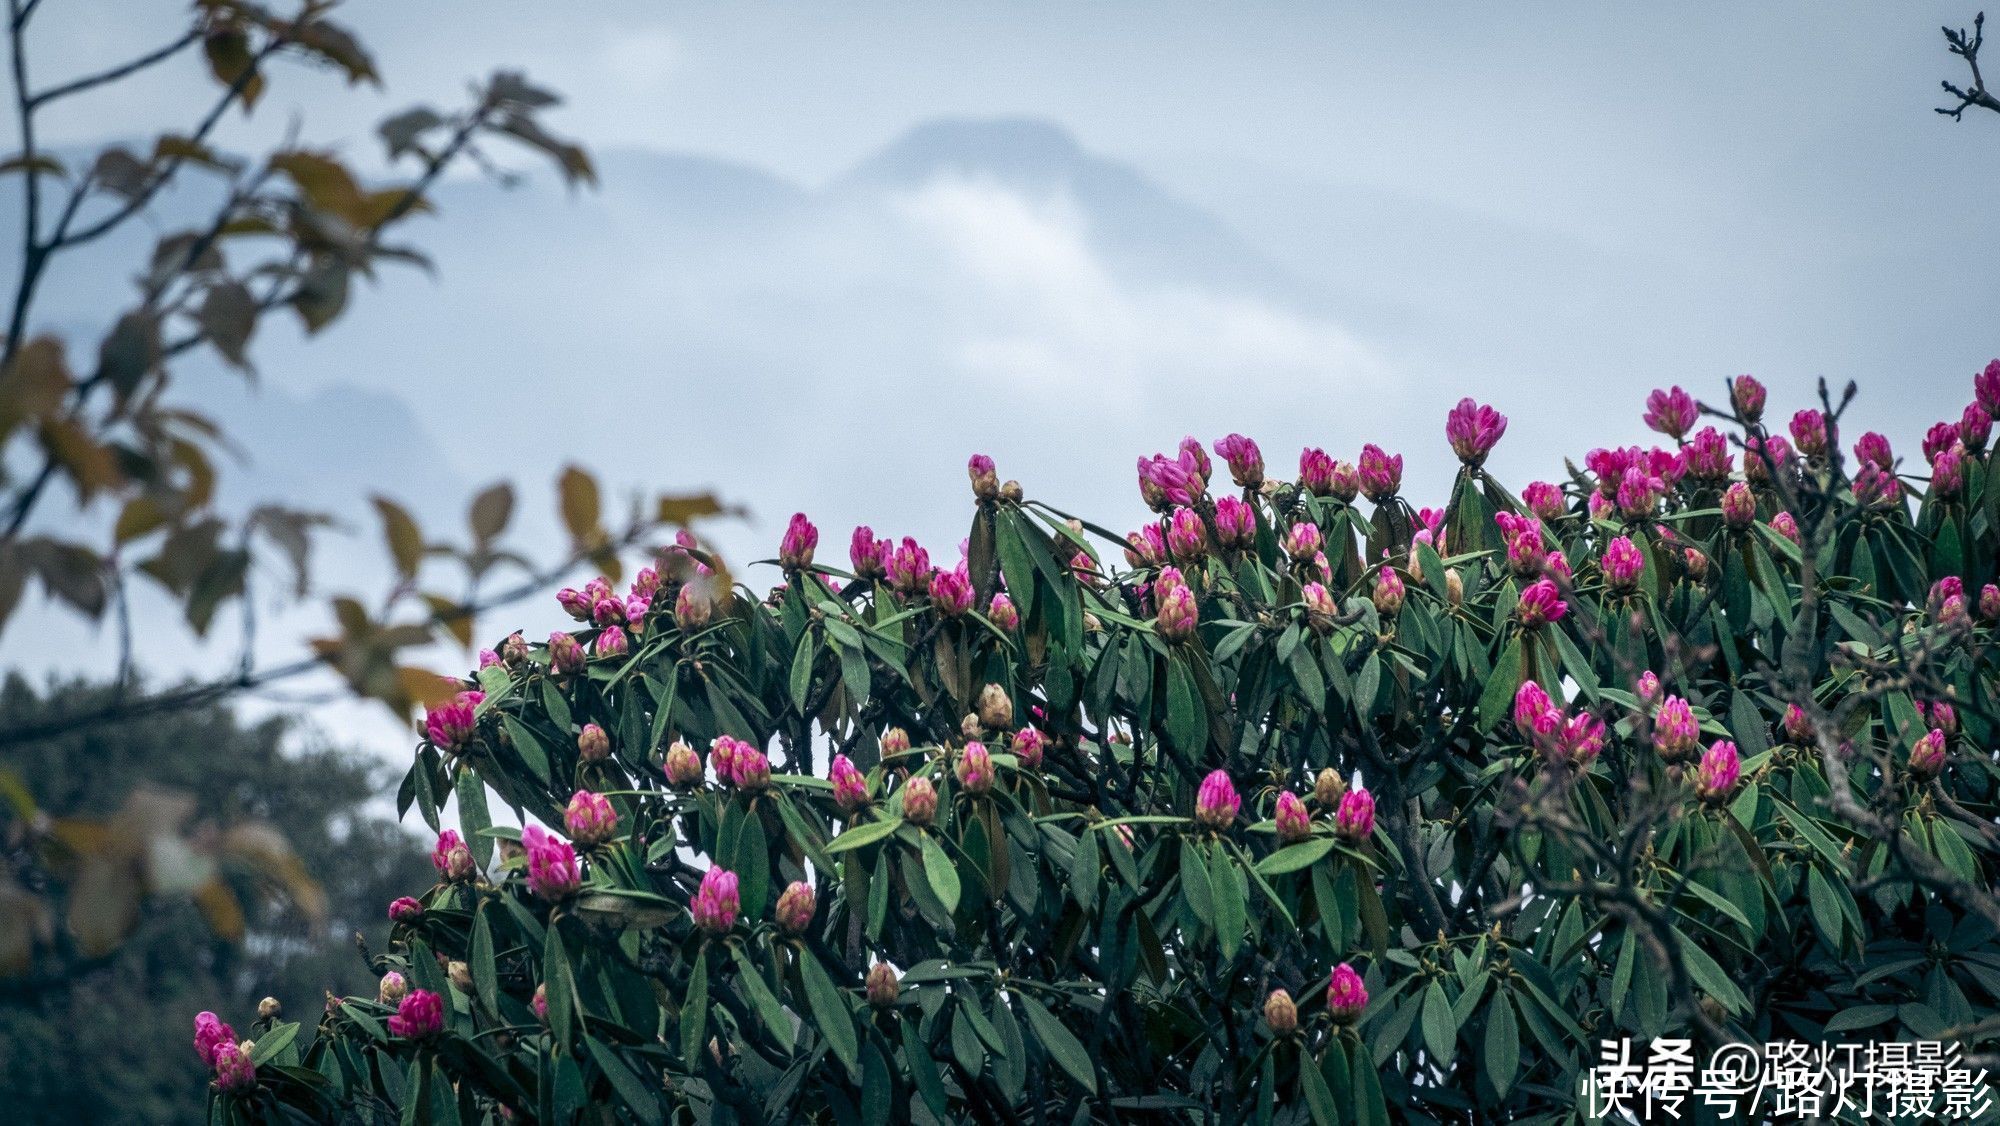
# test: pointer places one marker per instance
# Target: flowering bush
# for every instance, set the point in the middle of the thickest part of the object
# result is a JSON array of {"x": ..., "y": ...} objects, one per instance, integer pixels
[{"x": 1279, "y": 807}]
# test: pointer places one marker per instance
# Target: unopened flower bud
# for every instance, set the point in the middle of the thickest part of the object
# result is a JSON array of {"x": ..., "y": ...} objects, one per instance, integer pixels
[
  {"x": 460, "y": 975},
  {"x": 895, "y": 741},
  {"x": 1029, "y": 744},
  {"x": 1739, "y": 508},
  {"x": 405, "y": 910},
  {"x": 850, "y": 788},
  {"x": 975, "y": 769},
  {"x": 795, "y": 908},
  {"x": 1748, "y": 397},
  {"x": 1293, "y": 823},
  {"x": 1328, "y": 788},
  {"x": 1011, "y": 491},
  {"x": 269, "y": 1009},
  {"x": 1454, "y": 587},
  {"x": 1280, "y": 1013},
  {"x": 1217, "y": 801},
  {"x": 1002, "y": 614},
  {"x": 996, "y": 707},
  {"x": 592, "y": 744},
  {"x": 985, "y": 481},
  {"x": 1715, "y": 779},
  {"x": 795, "y": 550},
  {"x": 590, "y": 819},
  {"x": 565, "y": 654},
  {"x": 716, "y": 902},
  {"x": 392, "y": 988},
  {"x": 884, "y": 985},
  {"x": 919, "y": 801},
  {"x": 1928, "y": 755},
  {"x": 540, "y": 1003},
  {"x": 683, "y": 766},
  {"x": 1355, "y": 820},
  {"x": 1389, "y": 592},
  {"x": 1346, "y": 996}
]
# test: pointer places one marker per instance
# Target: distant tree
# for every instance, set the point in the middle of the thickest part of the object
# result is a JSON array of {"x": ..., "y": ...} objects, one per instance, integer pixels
[
  {"x": 126, "y": 1009},
  {"x": 1967, "y": 47}
]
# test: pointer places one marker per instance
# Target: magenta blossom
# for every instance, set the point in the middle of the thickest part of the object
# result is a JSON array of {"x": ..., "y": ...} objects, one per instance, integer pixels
[
  {"x": 1316, "y": 471},
  {"x": 1389, "y": 592},
  {"x": 1302, "y": 541},
  {"x": 1029, "y": 746},
  {"x": 1747, "y": 395},
  {"x": 235, "y": 1072},
  {"x": 1319, "y": 603},
  {"x": 1178, "y": 614},
  {"x": 1671, "y": 412},
  {"x": 1582, "y": 738},
  {"x": 451, "y": 857},
  {"x": 1715, "y": 779},
  {"x": 405, "y": 910},
  {"x": 590, "y": 819},
  {"x": 1989, "y": 602},
  {"x": 1002, "y": 613},
  {"x": 1975, "y": 426},
  {"x": 1193, "y": 456},
  {"x": 1473, "y": 430},
  {"x": 1940, "y": 437},
  {"x": 1540, "y": 604},
  {"x": 1809, "y": 433},
  {"x": 1755, "y": 450},
  {"x": 1545, "y": 501},
  {"x": 552, "y": 868},
  {"x": 1294, "y": 824},
  {"x": 1647, "y": 687},
  {"x": 210, "y": 1033},
  {"x": 1676, "y": 733},
  {"x": 795, "y": 907},
  {"x": 1235, "y": 523},
  {"x": 1986, "y": 388},
  {"x": 1536, "y": 716},
  {"x": 850, "y": 789},
  {"x": 1873, "y": 448},
  {"x": 420, "y": 1014},
  {"x": 985, "y": 479},
  {"x": 1346, "y": 996},
  {"x": 795, "y": 550},
  {"x": 451, "y": 725},
  {"x": 1145, "y": 547},
  {"x": 1876, "y": 485},
  {"x": 975, "y": 768},
  {"x": 1355, "y": 819},
  {"x": 1246, "y": 461},
  {"x": 1381, "y": 473},
  {"x": 909, "y": 567},
  {"x": 951, "y": 592},
  {"x": 1165, "y": 483},
  {"x": 919, "y": 801},
  {"x": 1948, "y": 472},
  {"x": 565, "y": 654},
  {"x": 869, "y": 555},
  {"x": 1784, "y": 525},
  {"x": 1187, "y": 537},
  {"x": 716, "y": 902},
  {"x": 1216, "y": 804},
  {"x": 1928, "y": 755},
  {"x": 1739, "y": 505},
  {"x": 612, "y": 642},
  {"x": 1798, "y": 728}
]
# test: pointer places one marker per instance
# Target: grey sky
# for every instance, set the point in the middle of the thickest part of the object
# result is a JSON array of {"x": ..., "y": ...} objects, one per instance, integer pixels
[{"x": 1315, "y": 224}]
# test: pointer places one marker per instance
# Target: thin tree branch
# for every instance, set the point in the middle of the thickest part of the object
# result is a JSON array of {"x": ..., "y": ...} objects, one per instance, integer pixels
[{"x": 90, "y": 81}]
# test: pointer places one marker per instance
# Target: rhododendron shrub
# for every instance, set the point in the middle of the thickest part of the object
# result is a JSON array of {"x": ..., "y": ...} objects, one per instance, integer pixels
[{"x": 1299, "y": 802}]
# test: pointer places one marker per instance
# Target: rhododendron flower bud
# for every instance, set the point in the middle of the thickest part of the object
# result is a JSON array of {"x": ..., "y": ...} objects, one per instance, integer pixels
[
  {"x": 1927, "y": 756},
  {"x": 1600, "y": 506},
  {"x": 1939, "y": 438},
  {"x": 1355, "y": 819},
  {"x": 850, "y": 789},
  {"x": 1473, "y": 430},
  {"x": 1293, "y": 824},
  {"x": 1647, "y": 688},
  {"x": 392, "y": 988},
  {"x": 1939, "y": 714},
  {"x": 565, "y": 654},
  {"x": 451, "y": 725},
  {"x": 1989, "y": 602},
  {"x": 919, "y": 801},
  {"x": 1165, "y": 482},
  {"x": 451, "y": 857},
  {"x": 1582, "y": 738},
  {"x": 1671, "y": 412},
  {"x": 1346, "y": 997},
  {"x": 1246, "y": 461},
  {"x": 1146, "y": 547},
  {"x": 1281, "y": 1013},
  {"x": 1195, "y": 458},
  {"x": 1454, "y": 585},
  {"x": 894, "y": 742},
  {"x": 795, "y": 907},
  {"x": 1948, "y": 472},
  {"x": 751, "y": 770},
  {"x": 1873, "y": 449},
  {"x": 951, "y": 593},
  {"x": 1798, "y": 728},
  {"x": 909, "y": 567},
  {"x": 884, "y": 985},
  {"x": 1345, "y": 481},
  {"x": 1707, "y": 455},
  {"x": 1381, "y": 474},
  {"x": 1974, "y": 427},
  {"x": 1544, "y": 501},
  {"x": 1876, "y": 485},
  {"x": 1029, "y": 746},
  {"x": 683, "y": 766},
  {"x": 1623, "y": 563},
  {"x": 1784, "y": 525},
  {"x": 975, "y": 768},
  {"x": 1739, "y": 506},
  {"x": 612, "y": 642},
  {"x": 1944, "y": 590},
  {"x": 1178, "y": 615},
  {"x": 234, "y": 1071},
  {"x": 405, "y": 910},
  {"x": 1697, "y": 564},
  {"x": 1809, "y": 432},
  {"x": 716, "y": 902},
  {"x": 590, "y": 819},
  {"x": 608, "y": 612},
  {"x": 1639, "y": 494},
  {"x": 1187, "y": 538},
  {"x": 592, "y": 744},
  {"x": 576, "y": 603},
  {"x": 552, "y": 870},
  {"x": 646, "y": 583},
  {"x": 460, "y": 975},
  {"x": 1986, "y": 388},
  {"x": 1715, "y": 779},
  {"x": 1432, "y": 531},
  {"x": 1328, "y": 787},
  {"x": 985, "y": 481},
  {"x": 868, "y": 555},
  {"x": 1319, "y": 602},
  {"x": 996, "y": 707},
  {"x": 539, "y": 1004},
  {"x": 1235, "y": 523},
  {"x": 1536, "y": 716},
  {"x": 1216, "y": 803},
  {"x": 1755, "y": 450},
  {"x": 1675, "y": 730},
  {"x": 1316, "y": 472},
  {"x": 514, "y": 650},
  {"x": 211, "y": 1033},
  {"x": 1388, "y": 593},
  {"x": 795, "y": 550},
  {"x": 1303, "y": 540},
  {"x": 488, "y": 658},
  {"x": 1748, "y": 397},
  {"x": 1540, "y": 604},
  {"x": 1001, "y": 612},
  {"x": 420, "y": 1014}
]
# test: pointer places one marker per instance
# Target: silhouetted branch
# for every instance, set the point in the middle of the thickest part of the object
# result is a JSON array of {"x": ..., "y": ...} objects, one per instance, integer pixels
[{"x": 1967, "y": 47}]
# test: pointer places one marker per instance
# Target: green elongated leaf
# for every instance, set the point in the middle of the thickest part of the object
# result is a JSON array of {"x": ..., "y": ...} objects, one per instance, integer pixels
[
  {"x": 1575, "y": 663},
  {"x": 274, "y": 1042},
  {"x": 1084, "y": 871},
  {"x": 802, "y": 670},
  {"x": 1319, "y": 1100},
  {"x": 866, "y": 834},
  {"x": 1184, "y": 716},
  {"x": 528, "y": 745},
  {"x": 694, "y": 1014},
  {"x": 1291, "y": 858},
  {"x": 560, "y": 982},
  {"x": 1825, "y": 906},
  {"x": 941, "y": 872},
  {"x": 1061, "y": 1044},
  {"x": 829, "y": 1009},
  {"x": 923, "y": 1071},
  {"x": 1195, "y": 882},
  {"x": 762, "y": 999},
  {"x": 1503, "y": 1044},
  {"x": 877, "y": 1087},
  {"x": 557, "y": 707},
  {"x": 1498, "y": 699},
  {"x": 1709, "y": 975},
  {"x": 1440, "y": 1026},
  {"x": 1860, "y": 1016},
  {"x": 637, "y": 1096},
  {"x": 1231, "y": 912},
  {"x": 472, "y": 816},
  {"x": 485, "y": 981}
]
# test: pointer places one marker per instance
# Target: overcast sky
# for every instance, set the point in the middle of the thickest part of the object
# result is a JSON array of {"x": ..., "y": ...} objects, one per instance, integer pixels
[{"x": 838, "y": 249}]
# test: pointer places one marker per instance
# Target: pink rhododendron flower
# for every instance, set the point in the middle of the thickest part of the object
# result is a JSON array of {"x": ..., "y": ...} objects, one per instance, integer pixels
[
  {"x": 552, "y": 868},
  {"x": 1747, "y": 395},
  {"x": 451, "y": 725},
  {"x": 795, "y": 907},
  {"x": 1246, "y": 461},
  {"x": 1302, "y": 540},
  {"x": 1809, "y": 432},
  {"x": 1671, "y": 412},
  {"x": 1540, "y": 604},
  {"x": 1545, "y": 501},
  {"x": 1216, "y": 804},
  {"x": 1316, "y": 472},
  {"x": 869, "y": 556},
  {"x": 420, "y": 1014},
  {"x": 716, "y": 902},
  {"x": 1715, "y": 779},
  {"x": 1178, "y": 615},
  {"x": 1294, "y": 824},
  {"x": 451, "y": 857},
  {"x": 1355, "y": 819},
  {"x": 985, "y": 479},
  {"x": 951, "y": 592},
  {"x": 1346, "y": 996},
  {"x": 1146, "y": 547},
  {"x": 590, "y": 818},
  {"x": 1473, "y": 430},
  {"x": 1187, "y": 537},
  {"x": 919, "y": 801},
  {"x": 1381, "y": 473},
  {"x": 1235, "y": 523},
  {"x": 795, "y": 550},
  {"x": 850, "y": 789},
  {"x": 1676, "y": 733},
  {"x": 909, "y": 568},
  {"x": 975, "y": 768}
]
